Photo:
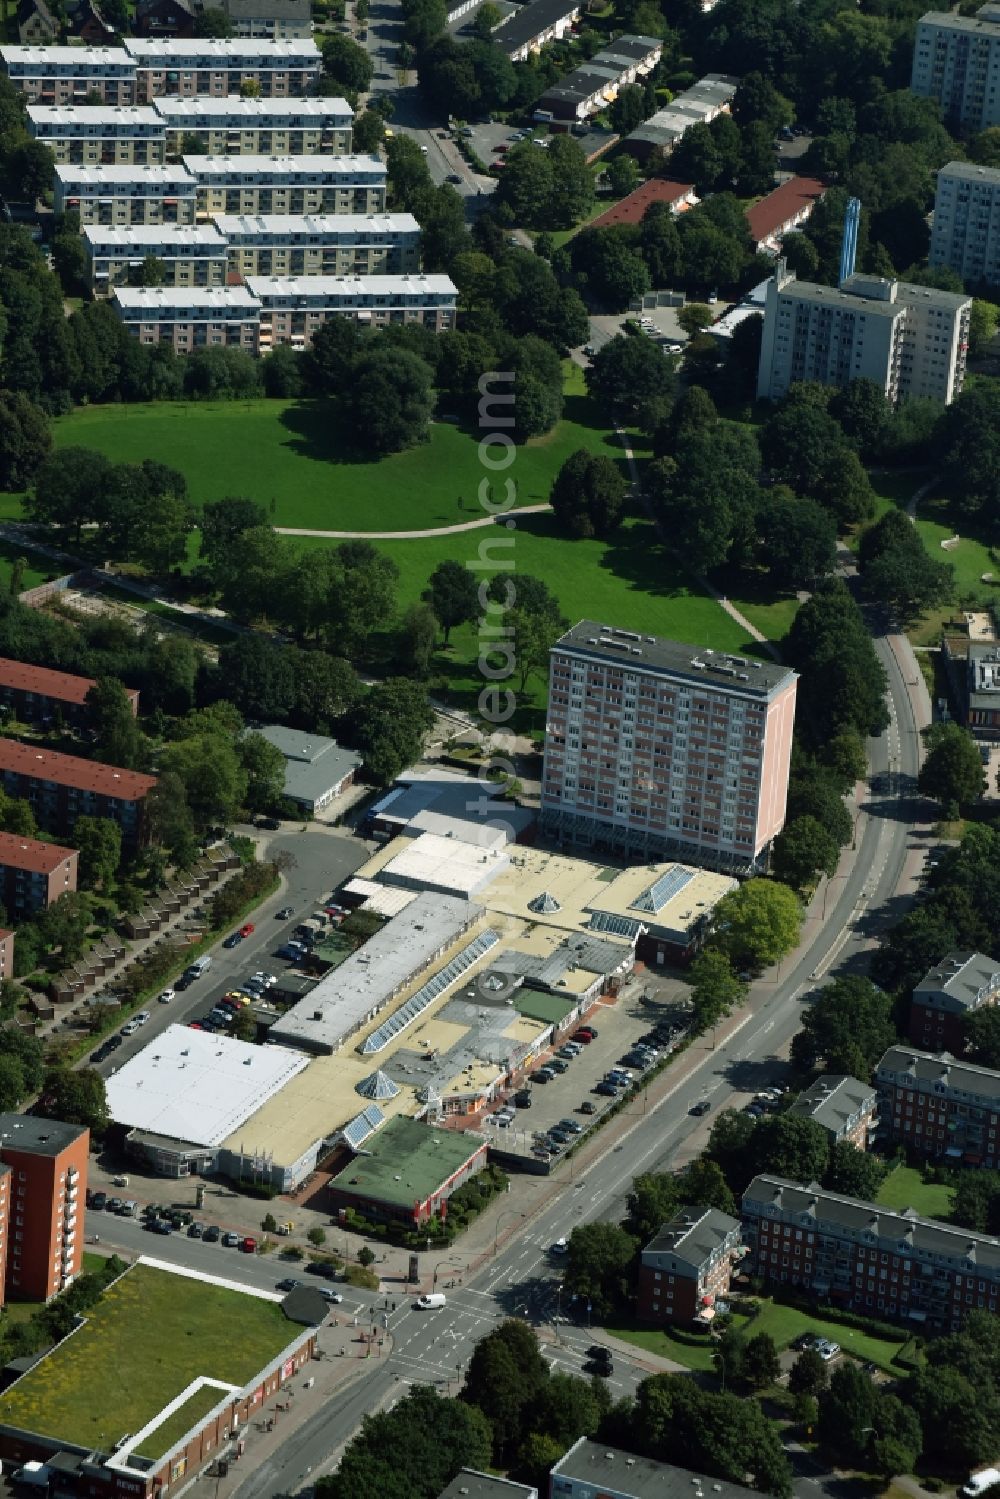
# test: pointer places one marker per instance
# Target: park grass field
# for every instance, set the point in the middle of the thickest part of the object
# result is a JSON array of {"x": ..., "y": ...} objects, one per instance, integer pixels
[
  {"x": 905, "y": 1188},
  {"x": 151, "y": 1334},
  {"x": 296, "y": 460}
]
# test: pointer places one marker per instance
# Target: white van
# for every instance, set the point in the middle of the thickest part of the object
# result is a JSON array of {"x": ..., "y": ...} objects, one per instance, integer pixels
[
  {"x": 978, "y": 1483},
  {"x": 432, "y": 1303},
  {"x": 200, "y": 966}
]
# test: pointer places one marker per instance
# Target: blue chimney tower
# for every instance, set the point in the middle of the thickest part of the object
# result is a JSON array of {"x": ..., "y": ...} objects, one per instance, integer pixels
[{"x": 849, "y": 248}]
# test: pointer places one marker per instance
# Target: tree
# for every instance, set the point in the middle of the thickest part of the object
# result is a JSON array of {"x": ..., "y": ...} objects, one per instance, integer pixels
[
  {"x": 99, "y": 841},
  {"x": 369, "y": 132},
  {"x": 213, "y": 22},
  {"x": 798, "y": 538},
  {"x": 623, "y": 173},
  {"x": 628, "y": 110},
  {"x": 24, "y": 440},
  {"x": 854, "y": 1172},
  {"x": 588, "y": 495},
  {"x": 629, "y": 373},
  {"x": 120, "y": 741},
  {"x": 703, "y": 1183},
  {"x": 864, "y": 412},
  {"x": 808, "y": 1375},
  {"x": 761, "y": 1365},
  {"x": 952, "y": 772},
  {"x": 418, "y": 635},
  {"x": 29, "y": 170},
  {"x": 159, "y": 539},
  {"x": 63, "y": 926},
  {"x": 411, "y": 1451},
  {"x": 27, "y": 1050},
  {"x": 976, "y": 1201},
  {"x": 758, "y": 924},
  {"x": 790, "y": 1146},
  {"x": 387, "y": 727},
  {"x": 486, "y": 20},
  {"x": 803, "y": 850},
  {"x": 693, "y": 317},
  {"x": 506, "y": 1376},
  {"x": 981, "y": 1029},
  {"x": 846, "y": 1028},
  {"x": 265, "y": 771},
  {"x": 257, "y": 677},
  {"x": 716, "y": 989},
  {"x": 453, "y": 594},
  {"x": 847, "y": 1413},
  {"x": 76, "y": 1097},
  {"x": 391, "y": 400},
  {"x": 598, "y": 1261},
  {"x": 67, "y": 489},
  {"x": 12, "y": 1085},
  {"x": 842, "y": 683},
  {"x": 845, "y": 755},
  {"x": 959, "y": 1419},
  {"x": 209, "y": 769},
  {"x": 897, "y": 570},
  {"x": 244, "y": 1026},
  {"x": 346, "y": 63}
]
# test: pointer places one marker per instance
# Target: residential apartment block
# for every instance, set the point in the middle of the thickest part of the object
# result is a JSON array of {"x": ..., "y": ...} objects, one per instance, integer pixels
[
  {"x": 127, "y": 195},
  {"x": 911, "y": 341},
  {"x": 868, "y": 1258},
  {"x": 61, "y": 788},
  {"x": 68, "y": 75},
  {"x": 257, "y": 127},
  {"x": 288, "y": 184},
  {"x": 687, "y": 1266},
  {"x": 279, "y": 20},
  {"x": 961, "y": 983},
  {"x": 33, "y": 874},
  {"x": 35, "y": 693},
  {"x": 846, "y": 1108},
  {"x": 100, "y": 135},
  {"x": 191, "y": 254},
  {"x": 42, "y": 1199},
  {"x": 956, "y": 62},
  {"x": 965, "y": 234},
  {"x": 293, "y": 307},
  {"x": 321, "y": 245},
  {"x": 190, "y": 318},
  {"x": 653, "y": 747},
  {"x": 193, "y": 68},
  {"x": 593, "y": 1470},
  {"x": 940, "y": 1106}
]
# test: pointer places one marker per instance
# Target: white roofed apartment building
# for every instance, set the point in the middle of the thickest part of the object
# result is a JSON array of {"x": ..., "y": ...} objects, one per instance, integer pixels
[
  {"x": 126, "y": 195},
  {"x": 67, "y": 75},
  {"x": 257, "y": 127},
  {"x": 190, "y": 317},
  {"x": 294, "y": 307},
  {"x": 195, "y": 68},
  {"x": 288, "y": 184},
  {"x": 99, "y": 134},
  {"x": 334, "y": 244},
  {"x": 190, "y": 254}
]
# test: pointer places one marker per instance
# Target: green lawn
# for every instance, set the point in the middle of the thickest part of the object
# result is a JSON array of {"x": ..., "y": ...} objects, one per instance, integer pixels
[
  {"x": 296, "y": 460},
  {"x": 667, "y": 1344},
  {"x": 150, "y": 1335},
  {"x": 627, "y": 581},
  {"x": 906, "y": 1188},
  {"x": 194, "y": 1409}
]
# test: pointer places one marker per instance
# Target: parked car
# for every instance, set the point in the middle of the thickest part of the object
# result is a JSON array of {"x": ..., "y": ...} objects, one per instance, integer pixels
[
  {"x": 329, "y": 1294},
  {"x": 285, "y": 914},
  {"x": 246, "y": 930},
  {"x": 99, "y": 1202},
  {"x": 248, "y": 1244},
  {"x": 560, "y": 1247},
  {"x": 587, "y": 1107},
  {"x": 572, "y": 1126},
  {"x": 555, "y": 1065},
  {"x": 543, "y": 1075},
  {"x": 288, "y": 1284},
  {"x": 828, "y": 1350},
  {"x": 522, "y": 1099},
  {"x": 230, "y": 1240},
  {"x": 141, "y": 1017},
  {"x": 167, "y": 996},
  {"x": 326, "y": 1269},
  {"x": 701, "y": 1107},
  {"x": 606, "y": 1089},
  {"x": 233, "y": 940},
  {"x": 271, "y": 824},
  {"x": 113, "y": 1204},
  {"x": 196, "y": 1230},
  {"x": 584, "y": 1037}
]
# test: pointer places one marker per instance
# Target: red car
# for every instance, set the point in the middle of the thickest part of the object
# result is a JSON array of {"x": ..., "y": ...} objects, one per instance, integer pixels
[
  {"x": 248, "y": 1246},
  {"x": 585, "y": 1036},
  {"x": 245, "y": 931}
]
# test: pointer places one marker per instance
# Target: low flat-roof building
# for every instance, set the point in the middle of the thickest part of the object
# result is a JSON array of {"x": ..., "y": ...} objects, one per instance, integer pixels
[
  {"x": 127, "y": 195},
  {"x": 843, "y": 1106},
  {"x": 960, "y": 984},
  {"x": 192, "y": 255},
  {"x": 67, "y": 75},
  {"x": 450, "y": 794},
  {"x": 190, "y": 317},
  {"x": 197, "y": 68},
  {"x": 288, "y": 184},
  {"x": 788, "y": 207},
  {"x": 632, "y": 209},
  {"x": 940, "y": 1106},
  {"x": 257, "y": 127},
  {"x": 531, "y": 26},
  {"x": 471, "y": 1484},
  {"x": 687, "y": 1266},
  {"x": 448, "y": 866},
  {"x": 407, "y": 1172},
  {"x": 60, "y": 788},
  {"x": 982, "y": 706},
  {"x": 316, "y": 768},
  {"x": 593, "y": 1470},
  {"x": 657, "y": 136},
  {"x": 36, "y": 693},
  {"x": 588, "y": 88},
  {"x": 293, "y": 308},
  {"x": 33, "y": 874},
  {"x": 93, "y": 135},
  {"x": 346, "y": 244}
]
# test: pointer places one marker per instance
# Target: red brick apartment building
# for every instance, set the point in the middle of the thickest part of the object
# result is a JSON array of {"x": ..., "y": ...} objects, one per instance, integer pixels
[
  {"x": 61, "y": 788},
  {"x": 34, "y": 874},
  {"x": 688, "y": 1265},
  {"x": 855, "y": 1254},
  {"x": 940, "y": 1106},
  {"x": 34, "y": 693},
  {"x": 654, "y": 748},
  {"x": 42, "y": 1198},
  {"x": 846, "y": 1108},
  {"x": 961, "y": 983}
]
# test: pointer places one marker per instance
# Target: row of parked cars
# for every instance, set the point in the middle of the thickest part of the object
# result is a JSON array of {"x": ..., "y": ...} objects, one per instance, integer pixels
[
  {"x": 766, "y": 1101},
  {"x": 225, "y": 1010}
]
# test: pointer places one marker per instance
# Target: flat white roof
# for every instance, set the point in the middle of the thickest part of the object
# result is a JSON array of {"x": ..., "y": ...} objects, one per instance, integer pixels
[
  {"x": 155, "y": 176},
  {"x": 228, "y": 107},
  {"x": 166, "y": 299},
  {"x": 356, "y": 991},
  {"x": 83, "y": 57},
  {"x": 94, "y": 114},
  {"x": 305, "y": 225},
  {"x": 240, "y": 48},
  {"x": 431, "y": 862},
  {"x": 104, "y": 237},
  {"x": 190, "y": 1085},
  {"x": 324, "y": 288},
  {"x": 463, "y": 829},
  {"x": 310, "y": 167}
]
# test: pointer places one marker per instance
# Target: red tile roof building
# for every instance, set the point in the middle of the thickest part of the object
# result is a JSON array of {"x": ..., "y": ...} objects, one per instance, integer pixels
[
  {"x": 33, "y": 874},
  {"x": 786, "y": 208},
  {"x": 632, "y": 209},
  {"x": 61, "y": 788},
  {"x": 34, "y": 692}
]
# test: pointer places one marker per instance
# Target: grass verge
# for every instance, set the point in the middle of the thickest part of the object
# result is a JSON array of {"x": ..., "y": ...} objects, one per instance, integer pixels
[{"x": 905, "y": 1188}]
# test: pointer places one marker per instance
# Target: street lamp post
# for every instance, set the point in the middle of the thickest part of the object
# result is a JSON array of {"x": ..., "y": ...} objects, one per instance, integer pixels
[
  {"x": 826, "y": 891},
  {"x": 451, "y": 1260},
  {"x": 512, "y": 1213}
]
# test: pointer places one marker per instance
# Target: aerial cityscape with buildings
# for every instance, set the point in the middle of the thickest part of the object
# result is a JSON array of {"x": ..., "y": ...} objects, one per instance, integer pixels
[{"x": 499, "y": 749}]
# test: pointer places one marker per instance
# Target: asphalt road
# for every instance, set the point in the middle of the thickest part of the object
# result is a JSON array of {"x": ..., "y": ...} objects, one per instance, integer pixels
[{"x": 323, "y": 860}]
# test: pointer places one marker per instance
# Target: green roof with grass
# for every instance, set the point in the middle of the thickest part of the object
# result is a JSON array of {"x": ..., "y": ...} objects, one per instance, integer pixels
[
  {"x": 550, "y": 1009},
  {"x": 150, "y": 1336},
  {"x": 406, "y": 1163}
]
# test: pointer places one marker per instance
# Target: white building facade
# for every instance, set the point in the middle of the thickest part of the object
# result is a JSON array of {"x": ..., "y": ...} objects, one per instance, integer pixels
[{"x": 966, "y": 231}]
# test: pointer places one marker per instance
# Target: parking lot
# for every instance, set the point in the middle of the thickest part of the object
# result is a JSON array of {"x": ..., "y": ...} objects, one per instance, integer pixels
[{"x": 571, "y": 1095}]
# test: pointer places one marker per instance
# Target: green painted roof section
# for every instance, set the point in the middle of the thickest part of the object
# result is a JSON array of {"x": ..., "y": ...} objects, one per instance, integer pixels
[
  {"x": 151, "y": 1334},
  {"x": 550, "y": 1009},
  {"x": 421, "y": 1157}
]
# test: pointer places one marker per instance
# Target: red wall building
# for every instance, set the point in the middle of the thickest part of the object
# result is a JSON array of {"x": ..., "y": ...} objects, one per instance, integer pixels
[
  {"x": 940, "y": 1106},
  {"x": 47, "y": 1188},
  {"x": 960, "y": 984},
  {"x": 61, "y": 788},
  {"x": 688, "y": 1265},
  {"x": 34, "y": 693},
  {"x": 33, "y": 874}
]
